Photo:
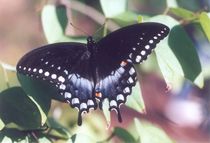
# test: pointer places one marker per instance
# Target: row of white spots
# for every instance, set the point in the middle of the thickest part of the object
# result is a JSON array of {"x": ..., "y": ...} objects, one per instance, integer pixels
[
  {"x": 113, "y": 103},
  {"x": 147, "y": 47},
  {"x": 47, "y": 74}
]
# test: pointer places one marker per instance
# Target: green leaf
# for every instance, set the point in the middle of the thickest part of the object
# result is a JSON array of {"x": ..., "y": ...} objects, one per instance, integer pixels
[
  {"x": 57, "y": 130},
  {"x": 176, "y": 53},
  {"x": 184, "y": 49},
  {"x": 106, "y": 111},
  {"x": 7, "y": 76},
  {"x": 135, "y": 100},
  {"x": 3, "y": 83},
  {"x": 1, "y": 124},
  {"x": 40, "y": 92},
  {"x": 183, "y": 13},
  {"x": 12, "y": 135},
  {"x": 205, "y": 22},
  {"x": 149, "y": 133},
  {"x": 171, "y": 3},
  {"x": 54, "y": 22},
  {"x": 111, "y": 8},
  {"x": 125, "y": 18},
  {"x": 17, "y": 108},
  {"x": 124, "y": 135}
]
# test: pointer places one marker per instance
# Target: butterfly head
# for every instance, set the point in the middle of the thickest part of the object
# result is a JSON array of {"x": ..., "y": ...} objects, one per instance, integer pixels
[{"x": 90, "y": 42}]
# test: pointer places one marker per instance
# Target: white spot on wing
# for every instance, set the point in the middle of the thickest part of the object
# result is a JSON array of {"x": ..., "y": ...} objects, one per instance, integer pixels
[
  {"x": 130, "y": 80},
  {"x": 147, "y": 47},
  {"x": 113, "y": 103},
  {"x": 62, "y": 87},
  {"x": 40, "y": 71},
  {"x": 67, "y": 95},
  {"x": 120, "y": 97},
  {"x": 138, "y": 58},
  {"x": 151, "y": 41},
  {"x": 83, "y": 106},
  {"x": 34, "y": 70},
  {"x": 53, "y": 76},
  {"x": 131, "y": 71},
  {"x": 75, "y": 101},
  {"x": 47, "y": 73},
  {"x": 61, "y": 79},
  {"x": 90, "y": 102},
  {"x": 143, "y": 53},
  {"x": 126, "y": 90}
]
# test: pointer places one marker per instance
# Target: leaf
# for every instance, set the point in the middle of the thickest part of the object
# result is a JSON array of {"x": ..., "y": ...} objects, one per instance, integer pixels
[
  {"x": 124, "y": 135},
  {"x": 1, "y": 124},
  {"x": 40, "y": 92},
  {"x": 183, "y": 13},
  {"x": 3, "y": 83},
  {"x": 57, "y": 130},
  {"x": 205, "y": 22},
  {"x": 135, "y": 100},
  {"x": 12, "y": 135},
  {"x": 16, "y": 107},
  {"x": 111, "y": 8},
  {"x": 126, "y": 18},
  {"x": 185, "y": 52},
  {"x": 54, "y": 22},
  {"x": 149, "y": 133},
  {"x": 176, "y": 53},
  {"x": 106, "y": 111},
  {"x": 7, "y": 76},
  {"x": 171, "y": 3}
]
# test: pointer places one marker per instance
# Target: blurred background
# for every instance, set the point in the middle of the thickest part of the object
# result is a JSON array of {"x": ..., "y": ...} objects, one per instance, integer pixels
[{"x": 182, "y": 110}]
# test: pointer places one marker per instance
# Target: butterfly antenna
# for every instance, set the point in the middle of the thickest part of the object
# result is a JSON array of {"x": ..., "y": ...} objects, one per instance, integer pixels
[{"x": 77, "y": 28}]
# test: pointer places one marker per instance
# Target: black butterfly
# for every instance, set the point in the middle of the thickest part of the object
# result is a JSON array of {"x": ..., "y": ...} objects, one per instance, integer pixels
[{"x": 85, "y": 72}]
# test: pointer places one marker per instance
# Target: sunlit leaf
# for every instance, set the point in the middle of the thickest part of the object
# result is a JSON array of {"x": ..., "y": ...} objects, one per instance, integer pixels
[
  {"x": 126, "y": 18},
  {"x": 124, "y": 135},
  {"x": 205, "y": 22},
  {"x": 57, "y": 130},
  {"x": 171, "y": 3},
  {"x": 149, "y": 133},
  {"x": 112, "y": 8},
  {"x": 135, "y": 100},
  {"x": 3, "y": 83},
  {"x": 1, "y": 124},
  {"x": 183, "y": 13},
  {"x": 172, "y": 57},
  {"x": 16, "y": 107},
  {"x": 54, "y": 21},
  {"x": 7, "y": 76},
  {"x": 106, "y": 111}
]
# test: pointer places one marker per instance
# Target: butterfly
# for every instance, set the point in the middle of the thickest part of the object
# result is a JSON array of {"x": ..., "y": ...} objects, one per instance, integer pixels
[{"x": 86, "y": 74}]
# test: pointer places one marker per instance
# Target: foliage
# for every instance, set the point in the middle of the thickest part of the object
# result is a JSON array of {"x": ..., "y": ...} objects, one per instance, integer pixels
[{"x": 24, "y": 109}]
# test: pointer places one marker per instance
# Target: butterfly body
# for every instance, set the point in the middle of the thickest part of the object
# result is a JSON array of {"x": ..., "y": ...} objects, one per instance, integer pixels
[{"x": 85, "y": 73}]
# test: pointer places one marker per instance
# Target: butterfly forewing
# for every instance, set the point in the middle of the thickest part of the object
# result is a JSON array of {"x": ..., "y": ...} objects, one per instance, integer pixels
[
  {"x": 65, "y": 65},
  {"x": 133, "y": 42}
]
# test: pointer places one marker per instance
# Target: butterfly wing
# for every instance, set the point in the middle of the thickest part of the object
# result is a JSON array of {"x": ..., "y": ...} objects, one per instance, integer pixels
[
  {"x": 116, "y": 54},
  {"x": 67, "y": 66},
  {"x": 133, "y": 42}
]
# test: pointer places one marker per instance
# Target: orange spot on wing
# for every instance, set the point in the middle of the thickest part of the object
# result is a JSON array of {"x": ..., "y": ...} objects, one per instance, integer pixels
[
  {"x": 98, "y": 94},
  {"x": 123, "y": 63}
]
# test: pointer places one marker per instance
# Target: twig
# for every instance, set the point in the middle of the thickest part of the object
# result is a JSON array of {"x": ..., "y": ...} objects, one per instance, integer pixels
[{"x": 90, "y": 12}]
